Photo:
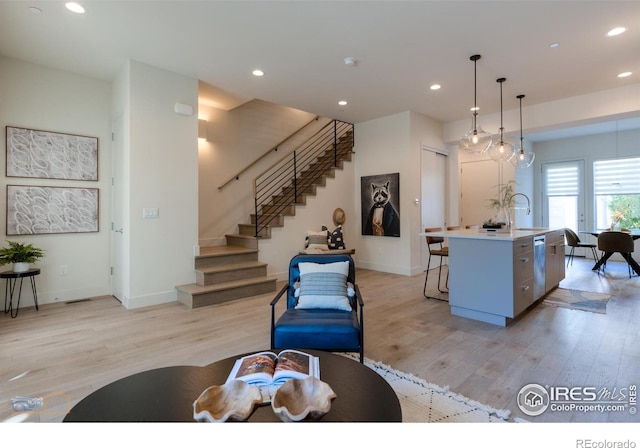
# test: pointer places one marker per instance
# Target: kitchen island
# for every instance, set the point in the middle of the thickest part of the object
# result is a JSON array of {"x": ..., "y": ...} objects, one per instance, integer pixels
[{"x": 494, "y": 276}]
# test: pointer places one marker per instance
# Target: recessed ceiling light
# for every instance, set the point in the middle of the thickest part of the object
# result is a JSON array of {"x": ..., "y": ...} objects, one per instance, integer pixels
[
  {"x": 258, "y": 72},
  {"x": 616, "y": 31},
  {"x": 35, "y": 10},
  {"x": 435, "y": 87},
  {"x": 342, "y": 103},
  {"x": 624, "y": 74},
  {"x": 75, "y": 7},
  {"x": 554, "y": 45}
]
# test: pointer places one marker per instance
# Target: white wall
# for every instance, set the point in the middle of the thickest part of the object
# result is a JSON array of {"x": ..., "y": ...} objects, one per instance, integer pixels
[
  {"x": 389, "y": 145},
  {"x": 37, "y": 97},
  {"x": 163, "y": 163},
  {"x": 382, "y": 147}
]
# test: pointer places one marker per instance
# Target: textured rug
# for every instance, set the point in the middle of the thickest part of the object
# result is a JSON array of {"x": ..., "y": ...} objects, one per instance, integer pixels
[
  {"x": 594, "y": 302},
  {"x": 423, "y": 402}
]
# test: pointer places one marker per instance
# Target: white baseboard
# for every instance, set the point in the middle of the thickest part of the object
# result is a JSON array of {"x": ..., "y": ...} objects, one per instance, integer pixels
[
  {"x": 151, "y": 299},
  {"x": 384, "y": 268}
]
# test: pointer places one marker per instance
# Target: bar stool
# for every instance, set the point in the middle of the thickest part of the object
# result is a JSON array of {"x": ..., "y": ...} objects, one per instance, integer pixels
[{"x": 440, "y": 250}]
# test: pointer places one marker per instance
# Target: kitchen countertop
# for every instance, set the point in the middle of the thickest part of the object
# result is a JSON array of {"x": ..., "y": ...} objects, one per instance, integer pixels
[{"x": 513, "y": 235}]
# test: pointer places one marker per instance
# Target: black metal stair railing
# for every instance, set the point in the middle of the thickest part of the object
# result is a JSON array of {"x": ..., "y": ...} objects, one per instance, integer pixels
[{"x": 283, "y": 185}]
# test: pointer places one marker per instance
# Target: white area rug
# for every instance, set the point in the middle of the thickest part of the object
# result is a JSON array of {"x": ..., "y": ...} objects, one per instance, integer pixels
[{"x": 423, "y": 402}]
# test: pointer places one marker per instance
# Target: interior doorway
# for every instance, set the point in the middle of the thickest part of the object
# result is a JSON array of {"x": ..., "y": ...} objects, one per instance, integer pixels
[
  {"x": 435, "y": 192},
  {"x": 117, "y": 237}
]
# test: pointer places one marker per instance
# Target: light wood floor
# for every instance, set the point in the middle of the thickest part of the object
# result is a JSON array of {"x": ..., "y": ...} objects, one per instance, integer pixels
[{"x": 70, "y": 350}]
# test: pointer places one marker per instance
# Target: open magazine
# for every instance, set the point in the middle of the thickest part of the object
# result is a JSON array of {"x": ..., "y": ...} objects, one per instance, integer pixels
[{"x": 269, "y": 371}]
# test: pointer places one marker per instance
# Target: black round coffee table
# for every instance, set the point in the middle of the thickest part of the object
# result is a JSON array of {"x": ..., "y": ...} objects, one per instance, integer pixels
[{"x": 167, "y": 394}]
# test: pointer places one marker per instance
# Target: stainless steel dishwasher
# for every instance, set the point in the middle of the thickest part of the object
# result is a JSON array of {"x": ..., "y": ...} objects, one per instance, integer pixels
[{"x": 538, "y": 266}]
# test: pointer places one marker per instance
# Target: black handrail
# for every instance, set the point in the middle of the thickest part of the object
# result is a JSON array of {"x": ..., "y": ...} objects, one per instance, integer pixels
[{"x": 282, "y": 185}]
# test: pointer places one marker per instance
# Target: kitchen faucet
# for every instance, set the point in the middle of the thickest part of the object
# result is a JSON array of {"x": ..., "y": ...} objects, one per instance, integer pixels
[{"x": 510, "y": 223}]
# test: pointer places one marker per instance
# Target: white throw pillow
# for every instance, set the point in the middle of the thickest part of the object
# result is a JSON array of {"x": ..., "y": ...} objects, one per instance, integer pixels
[
  {"x": 323, "y": 285},
  {"x": 317, "y": 240}
]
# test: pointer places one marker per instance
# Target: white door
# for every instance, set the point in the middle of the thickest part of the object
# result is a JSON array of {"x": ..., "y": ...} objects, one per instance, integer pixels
[
  {"x": 563, "y": 199},
  {"x": 117, "y": 201},
  {"x": 434, "y": 193},
  {"x": 479, "y": 182}
]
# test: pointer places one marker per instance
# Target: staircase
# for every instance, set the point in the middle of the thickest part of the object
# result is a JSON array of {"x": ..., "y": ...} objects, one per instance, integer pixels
[
  {"x": 230, "y": 272},
  {"x": 225, "y": 273}
]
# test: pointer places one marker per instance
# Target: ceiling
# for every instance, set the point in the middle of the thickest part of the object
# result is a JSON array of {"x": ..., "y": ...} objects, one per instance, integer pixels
[{"x": 400, "y": 48}]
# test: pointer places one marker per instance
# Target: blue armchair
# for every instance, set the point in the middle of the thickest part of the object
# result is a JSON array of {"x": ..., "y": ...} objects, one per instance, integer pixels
[{"x": 324, "y": 312}]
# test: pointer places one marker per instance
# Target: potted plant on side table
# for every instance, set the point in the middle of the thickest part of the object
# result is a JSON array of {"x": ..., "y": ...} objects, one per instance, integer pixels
[{"x": 20, "y": 254}]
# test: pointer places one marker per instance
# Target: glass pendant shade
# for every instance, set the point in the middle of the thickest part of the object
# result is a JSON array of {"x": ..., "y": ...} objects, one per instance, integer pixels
[
  {"x": 521, "y": 157},
  {"x": 476, "y": 141},
  {"x": 500, "y": 150}
]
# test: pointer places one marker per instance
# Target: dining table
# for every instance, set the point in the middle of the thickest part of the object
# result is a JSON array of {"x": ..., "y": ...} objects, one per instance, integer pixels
[{"x": 635, "y": 234}]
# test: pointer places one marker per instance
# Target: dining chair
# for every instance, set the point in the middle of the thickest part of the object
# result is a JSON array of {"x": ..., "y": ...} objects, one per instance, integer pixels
[
  {"x": 573, "y": 241},
  {"x": 611, "y": 241},
  {"x": 436, "y": 247}
]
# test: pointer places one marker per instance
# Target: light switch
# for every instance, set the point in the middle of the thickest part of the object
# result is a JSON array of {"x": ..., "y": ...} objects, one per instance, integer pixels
[{"x": 150, "y": 213}]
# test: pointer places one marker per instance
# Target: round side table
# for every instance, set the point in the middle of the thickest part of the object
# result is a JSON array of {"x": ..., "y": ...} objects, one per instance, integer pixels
[{"x": 10, "y": 287}]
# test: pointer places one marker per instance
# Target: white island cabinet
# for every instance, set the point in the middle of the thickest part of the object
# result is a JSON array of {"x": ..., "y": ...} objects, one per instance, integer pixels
[{"x": 494, "y": 277}]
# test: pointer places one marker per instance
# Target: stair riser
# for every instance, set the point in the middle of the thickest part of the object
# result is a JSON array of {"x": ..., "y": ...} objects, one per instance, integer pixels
[
  {"x": 207, "y": 262},
  {"x": 216, "y": 297},
  {"x": 250, "y": 243},
  {"x": 285, "y": 200},
  {"x": 315, "y": 177},
  {"x": 273, "y": 209},
  {"x": 213, "y": 278},
  {"x": 302, "y": 189},
  {"x": 277, "y": 221},
  {"x": 320, "y": 167},
  {"x": 248, "y": 229}
]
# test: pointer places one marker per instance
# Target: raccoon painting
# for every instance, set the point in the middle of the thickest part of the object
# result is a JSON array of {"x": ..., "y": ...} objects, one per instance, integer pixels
[{"x": 383, "y": 220}]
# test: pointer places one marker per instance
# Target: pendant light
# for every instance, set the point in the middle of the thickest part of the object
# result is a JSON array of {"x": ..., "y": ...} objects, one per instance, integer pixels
[
  {"x": 475, "y": 141},
  {"x": 522, "y": 158},
  {"x": 500, "y": 150}
]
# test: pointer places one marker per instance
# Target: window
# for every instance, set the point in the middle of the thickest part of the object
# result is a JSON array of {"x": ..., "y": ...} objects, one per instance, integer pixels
[
  {"x": 617, "y": 192},
  {"x": 563, "y": 194}
]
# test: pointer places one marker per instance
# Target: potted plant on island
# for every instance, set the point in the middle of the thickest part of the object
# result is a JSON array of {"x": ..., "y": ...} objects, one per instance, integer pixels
[
  {"x": 21, "y": 255},
  {"x": 503, "y": 201}
]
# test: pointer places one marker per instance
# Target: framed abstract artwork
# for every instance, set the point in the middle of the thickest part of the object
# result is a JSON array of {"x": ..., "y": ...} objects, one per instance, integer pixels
[
  {"x": 51, "y": 155},
  {"x": 35, "y": 210},
  {"x": 380, "y": 200}
]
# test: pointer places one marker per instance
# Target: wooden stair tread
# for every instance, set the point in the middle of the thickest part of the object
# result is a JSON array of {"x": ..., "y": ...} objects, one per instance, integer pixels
[
  {"x": 239, "y": 235},
  {"x": 195, "y": 289},
  {"x": 232, "y": 267},
  {"x": 213, "y": 251}
]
